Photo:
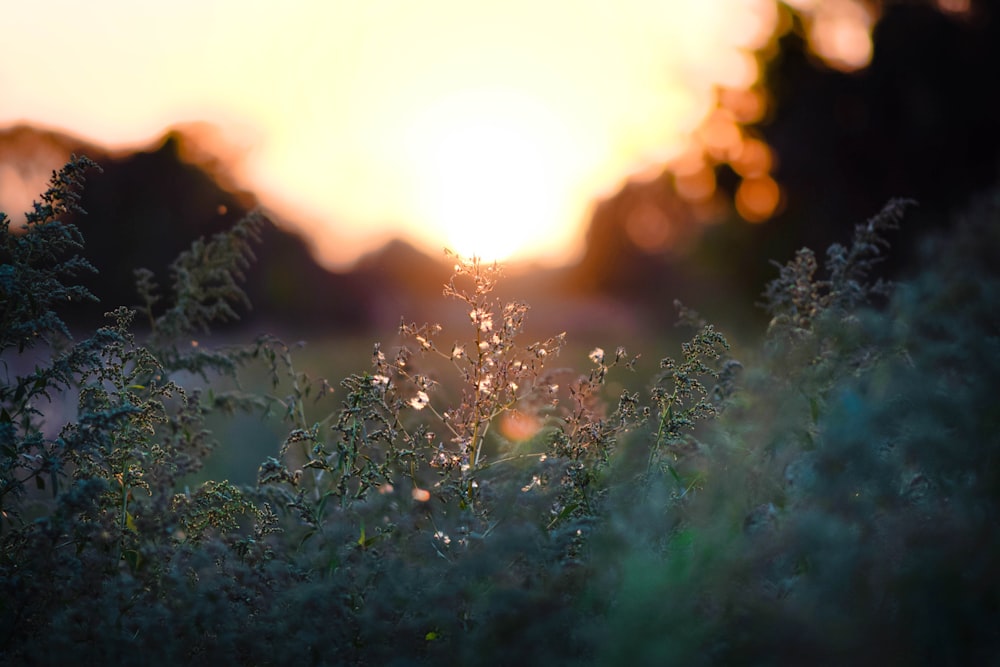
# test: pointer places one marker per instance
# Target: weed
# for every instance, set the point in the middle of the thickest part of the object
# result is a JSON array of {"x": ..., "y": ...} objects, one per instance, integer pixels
[{"x": 466, "y": 499}]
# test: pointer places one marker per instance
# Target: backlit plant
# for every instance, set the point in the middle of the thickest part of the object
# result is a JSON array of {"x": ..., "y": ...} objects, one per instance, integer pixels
[{"x": 463, "y": 499}]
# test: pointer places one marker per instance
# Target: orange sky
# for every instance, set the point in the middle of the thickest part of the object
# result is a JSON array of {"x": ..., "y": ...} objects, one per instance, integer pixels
[{"x": 487, "y": 127}]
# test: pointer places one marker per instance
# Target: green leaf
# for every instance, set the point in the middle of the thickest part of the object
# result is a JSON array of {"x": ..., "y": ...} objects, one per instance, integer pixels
[
  {"x": 814, "y": 409},
  {"x": 673, "y": 473},
  {"x": 566, "y": 511},
  {"x": 133, "y": 558}
]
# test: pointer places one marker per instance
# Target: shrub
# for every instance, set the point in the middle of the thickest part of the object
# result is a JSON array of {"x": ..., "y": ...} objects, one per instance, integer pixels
[{"x": 831, "y": 501}]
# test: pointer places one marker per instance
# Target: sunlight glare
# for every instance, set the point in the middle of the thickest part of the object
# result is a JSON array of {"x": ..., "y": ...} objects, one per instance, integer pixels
[
  {"x": 839, "y": 31},
  {"x": 490, "y": 128},
  {"x": 491, "y": 168}
]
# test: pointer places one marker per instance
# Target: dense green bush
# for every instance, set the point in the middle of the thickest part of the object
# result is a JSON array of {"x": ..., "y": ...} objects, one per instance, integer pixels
[{"x": 832, "y": 500}]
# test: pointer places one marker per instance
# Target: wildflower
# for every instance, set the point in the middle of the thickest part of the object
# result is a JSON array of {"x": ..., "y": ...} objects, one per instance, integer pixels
[
  {"x": 482, "y": 319},
  {"x": 419, "y": 401},
  {"x": 424, "y": 343},
  {"x": 380, "y": 381},
  {"x": 457, "y": 352},
  {"x": 438, "y": 460},
  {"x": 541, "y": 352},
  {"x": 597, "y": 355},
  {"x": 484, "y": 384}
]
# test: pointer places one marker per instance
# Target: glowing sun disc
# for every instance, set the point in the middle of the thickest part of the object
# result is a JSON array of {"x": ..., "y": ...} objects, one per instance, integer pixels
[{"x": 492, "y": 177}]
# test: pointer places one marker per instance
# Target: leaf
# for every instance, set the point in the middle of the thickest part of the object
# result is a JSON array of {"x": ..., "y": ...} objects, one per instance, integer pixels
[
  {"x": 566, "y": 511},
  {"x": 133, "y": 558},
  {"x": 673, "y": 473},
  {"x": 814, "y": 408}
]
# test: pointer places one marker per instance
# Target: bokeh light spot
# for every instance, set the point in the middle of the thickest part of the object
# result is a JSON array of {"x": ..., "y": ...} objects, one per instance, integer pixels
[
  {"x": 757, "y": 198},
  {"x": 518, "y": 426}
]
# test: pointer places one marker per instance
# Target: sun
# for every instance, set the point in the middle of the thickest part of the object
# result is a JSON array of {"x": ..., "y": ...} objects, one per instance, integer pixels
[{"x": 491, "y": 174}]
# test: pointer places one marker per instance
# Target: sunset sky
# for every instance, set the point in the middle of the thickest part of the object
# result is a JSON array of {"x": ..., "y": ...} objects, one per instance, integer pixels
[{"x": 488, "y": 127}]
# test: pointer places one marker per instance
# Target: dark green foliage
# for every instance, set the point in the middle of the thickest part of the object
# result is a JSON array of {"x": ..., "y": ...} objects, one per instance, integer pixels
[
  {"x": 832, "y": 502},
  {"x": 37, "y": 264}
]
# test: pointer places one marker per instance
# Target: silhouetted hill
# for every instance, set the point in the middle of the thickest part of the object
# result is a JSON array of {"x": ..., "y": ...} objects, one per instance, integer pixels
[
  {"x": 148, "y": 206},
  {"x": 404, "y": 279}
]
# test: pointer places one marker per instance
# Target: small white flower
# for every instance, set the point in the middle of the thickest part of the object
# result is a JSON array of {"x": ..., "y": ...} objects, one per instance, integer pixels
[
  {"x": 597, "y": 355},
  {"x": 380, "y": 381},
  {"x": 419, "y": 401},
  {"x": 457, "y": 352},
  {"x": 535, "y": 481},
  {"x": 482, "y": 319}
]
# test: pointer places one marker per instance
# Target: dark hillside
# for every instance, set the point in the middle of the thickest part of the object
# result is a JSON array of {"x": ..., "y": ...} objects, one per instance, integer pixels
[{"x": 148, "y": 206}]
